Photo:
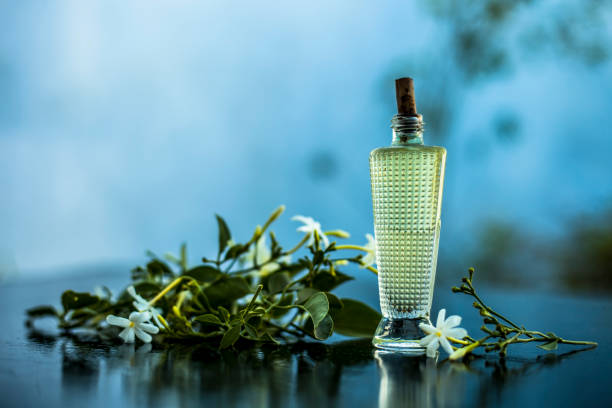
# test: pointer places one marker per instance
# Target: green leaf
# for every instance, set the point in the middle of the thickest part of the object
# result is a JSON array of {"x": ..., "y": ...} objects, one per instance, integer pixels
[
  {"x": 230, "y": 337},
  {"x": 75, "y": 300},
  {"x": 325, "y": 281},
  {"x": 235, "y": 251},
  {"x": 203, "y": 273},
  {"x": 147, "y": 288},
  {"x": 41, "y": 311},
  {"x": 278, "y": 281},
  {"x": 318, "y": 307},
  {"x": 550, "y": 346},
  {"x": 138, "y": 273},
  {"x": 184, "y": 256},
  {"x": 251, "y": 331},
  {"x": 82, "y": 313},
  {"x": 224, "y": 233},
  {"x": 355, "y": 319},
  {"x": 334, "y": 302},
  {"x": 304, "y": 294},
  {"x": 225, "y": 314},
  {"x": 157, "y": 269},
  {"x": 225, "y": 291},
  {"x": 209, "y": 318},
  {"x": 286, "y": 300},
  {"x": 325, "y": 328}
]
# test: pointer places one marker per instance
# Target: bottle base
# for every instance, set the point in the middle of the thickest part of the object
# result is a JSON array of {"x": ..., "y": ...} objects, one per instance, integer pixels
[{"x": 400, "y": 335}]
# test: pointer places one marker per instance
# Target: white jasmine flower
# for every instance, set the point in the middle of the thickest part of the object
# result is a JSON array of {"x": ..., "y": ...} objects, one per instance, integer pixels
[
  {"x": 259, "y": 254},
  {"x": 143, "y": 306},
  {"x": 309, "y": 227},
  {"x": 439, "y": 335},
  {"x": 370, "y": 249},
  {"x": 137, "y": 325}
]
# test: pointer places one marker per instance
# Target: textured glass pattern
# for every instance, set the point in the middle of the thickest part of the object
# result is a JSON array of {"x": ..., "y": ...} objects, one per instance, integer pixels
[{"x": 407, "y": 194}]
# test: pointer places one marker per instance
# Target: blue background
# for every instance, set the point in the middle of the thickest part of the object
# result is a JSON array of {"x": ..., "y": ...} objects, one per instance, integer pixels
[{"x": 126, "y": 126}]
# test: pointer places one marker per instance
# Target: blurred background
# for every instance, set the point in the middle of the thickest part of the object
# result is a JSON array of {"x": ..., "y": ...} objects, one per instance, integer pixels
[{"x": 126, "y": 126}]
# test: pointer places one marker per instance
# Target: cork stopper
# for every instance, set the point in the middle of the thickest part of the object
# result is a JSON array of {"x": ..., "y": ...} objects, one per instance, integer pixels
[{"x": 404, "y": 93}]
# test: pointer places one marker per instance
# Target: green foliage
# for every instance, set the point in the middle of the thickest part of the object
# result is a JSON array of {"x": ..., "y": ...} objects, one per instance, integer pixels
[
  {"x": 42, "y": 311},
  {"x": 204, "y": 273},
  {"x": 224, "y": 233},
  {"x": 74, "y": 300},
  {"x": 346, "y": 324},
  {"x": 237, "y": 297}
]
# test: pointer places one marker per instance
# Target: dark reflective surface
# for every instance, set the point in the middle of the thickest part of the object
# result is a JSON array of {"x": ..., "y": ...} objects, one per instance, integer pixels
[{"x": 37, "y": 368}]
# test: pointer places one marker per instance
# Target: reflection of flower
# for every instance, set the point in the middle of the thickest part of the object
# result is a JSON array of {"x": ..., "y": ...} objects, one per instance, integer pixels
[
  {"x": 137, "y": 325},
  {"x": 439, "y": 335},
  {"x": 259, "y": 254},
  {"x": 143, "y": 306},
  {"x": 309, "y": 227},
  {"x": 370, "y": 249}
]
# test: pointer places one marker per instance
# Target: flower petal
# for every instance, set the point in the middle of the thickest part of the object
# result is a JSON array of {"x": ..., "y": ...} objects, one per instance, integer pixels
[
  {"x": 127, "y": 334},
  {"x": 117, "y": 321},
  {"x": 142, "y": 335},
  {"x": 456, "y": 332},
  {"x": 301, "y": 218},
  {"x": 427, "y": 339},
  {"x": 148, "y": 327},
  {"x": 368, "y": 260},
  {"x": 138, "y": 317},
  {"x": 132, "y": 292},
  {"x": 441, "y": 317},
  {"x": 446, "y": 345},
  {"x": 140, "y": 306},
  {"x": 432, "y": 348},
  {"x": 452, "y": 321},
  {"x": 324, "y": 239},
  {"x": 427, "y": 328}
]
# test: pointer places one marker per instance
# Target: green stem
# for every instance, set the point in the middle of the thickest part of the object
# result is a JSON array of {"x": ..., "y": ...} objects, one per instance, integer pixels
[
  {"x": 355, "y": 247},
  {"x": 252, "y": 302},
  {"x": 370, "y": 268},
  {"x": 337, "y": 233},
  {"x": 468, "y": 349},
  {"x": 166, "y": 290},
  {"x": 494, "y": 313},
  {"x": 299, "y": 245},
  {"x": 273, "y": 218},
  {"x": 558, "y": 339}
]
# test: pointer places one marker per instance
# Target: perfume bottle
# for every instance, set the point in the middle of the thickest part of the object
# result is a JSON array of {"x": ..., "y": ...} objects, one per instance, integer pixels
[{"x": 407, "y": 179}]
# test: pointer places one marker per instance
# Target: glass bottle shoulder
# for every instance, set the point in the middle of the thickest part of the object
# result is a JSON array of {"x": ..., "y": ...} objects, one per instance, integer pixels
[{"x": 416, "y": 149}]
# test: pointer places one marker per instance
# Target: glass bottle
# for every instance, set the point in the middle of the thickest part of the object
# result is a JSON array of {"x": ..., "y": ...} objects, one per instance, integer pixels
[{"x": 407, "y": 179}]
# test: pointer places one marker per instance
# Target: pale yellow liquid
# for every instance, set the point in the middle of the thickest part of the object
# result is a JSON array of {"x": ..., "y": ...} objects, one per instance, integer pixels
[{"x": 407, "y": 195}]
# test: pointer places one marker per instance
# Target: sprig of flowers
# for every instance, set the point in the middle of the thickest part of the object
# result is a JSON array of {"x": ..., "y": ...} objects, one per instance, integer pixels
[
  {"x": 500, "y": 332},
  {"x": 249, "y": 292}
]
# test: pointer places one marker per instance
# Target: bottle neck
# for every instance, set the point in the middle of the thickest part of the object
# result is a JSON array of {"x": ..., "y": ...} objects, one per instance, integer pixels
[{"x": 407, "y": 130}]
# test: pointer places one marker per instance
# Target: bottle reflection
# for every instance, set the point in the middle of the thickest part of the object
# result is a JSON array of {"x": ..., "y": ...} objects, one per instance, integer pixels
[
  {"x": 408, "y": 381},
  {"x": 405, "y": 380}
]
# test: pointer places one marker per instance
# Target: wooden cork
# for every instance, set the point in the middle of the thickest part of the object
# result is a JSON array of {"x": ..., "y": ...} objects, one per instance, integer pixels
[{"x": 404, "y": 92}]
